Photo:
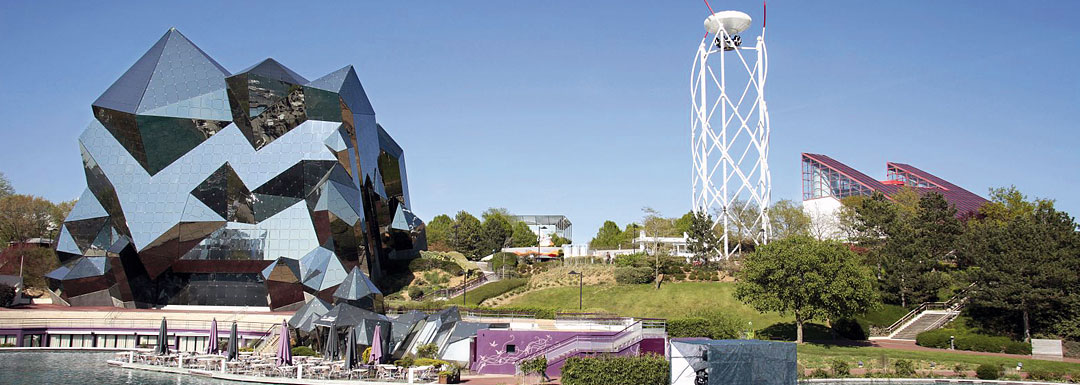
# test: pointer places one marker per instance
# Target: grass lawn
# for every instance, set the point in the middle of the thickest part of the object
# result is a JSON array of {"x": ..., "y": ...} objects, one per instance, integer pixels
[
  {"x": 884, "y": 315},
  {"x": 820, "y": 356},
  {"x": 673, "y": 300}
]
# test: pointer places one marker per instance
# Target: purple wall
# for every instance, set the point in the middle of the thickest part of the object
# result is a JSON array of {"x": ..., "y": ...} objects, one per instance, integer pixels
[{"x": 491, "y": 357}]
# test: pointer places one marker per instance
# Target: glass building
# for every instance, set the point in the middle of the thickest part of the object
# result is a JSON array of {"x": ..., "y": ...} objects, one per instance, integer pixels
[{"x": 255, "y": 188}]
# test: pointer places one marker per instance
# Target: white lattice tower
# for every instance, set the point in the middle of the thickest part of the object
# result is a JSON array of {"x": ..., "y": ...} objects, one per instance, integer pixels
[{"x": 730, "y": 132}]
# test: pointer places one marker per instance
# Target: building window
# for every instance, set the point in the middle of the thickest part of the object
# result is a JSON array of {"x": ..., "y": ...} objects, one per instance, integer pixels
[{"x": 511, "y": 348}]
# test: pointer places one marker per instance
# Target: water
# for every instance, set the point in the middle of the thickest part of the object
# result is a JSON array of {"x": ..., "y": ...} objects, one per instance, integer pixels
[{"x": 84, "y": 368}]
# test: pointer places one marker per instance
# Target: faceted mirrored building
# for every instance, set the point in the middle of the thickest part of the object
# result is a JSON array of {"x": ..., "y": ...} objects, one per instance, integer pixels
[{"x": 255, "y": 188}]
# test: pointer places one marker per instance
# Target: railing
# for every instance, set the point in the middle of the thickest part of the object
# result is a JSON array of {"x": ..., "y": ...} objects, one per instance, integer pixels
[
  {"x": 471, "y": 313},
  {"x": 625, "y": 338},
  {"x": 451, "y": 292},
  {"x": 100, "y": 323},
  {"x": 954, "y": 304}
]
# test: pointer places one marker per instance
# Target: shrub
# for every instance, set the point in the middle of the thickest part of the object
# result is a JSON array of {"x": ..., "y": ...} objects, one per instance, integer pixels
[
  {"x": 427, "y": 350},
  {"x": 989, "y": 372},
  {"x": 840, "y": 368},
  {"x": 708, "y": 324},
  {"x": 632, "y": 260},
  {"x": 613, "y": 370},
  {"x": 7, "y": 294},
  {"x": 415, "y": 293},
  {"x": 819, "y": 373},
  {"x": 431, "y": 362},
  {"x": 303, "y": 351},
  {"x": 405, "y": 362},
  {"x": 424, "y": 264},
  {"x": 851, "y": 329},
  {"x": 536, "y": 365},
  {"x": 971, "y": 341},
  {"x": 1045, "y": 375},
  {"x": 904, "y": 368},
  {"x": 633, "y": 275}
]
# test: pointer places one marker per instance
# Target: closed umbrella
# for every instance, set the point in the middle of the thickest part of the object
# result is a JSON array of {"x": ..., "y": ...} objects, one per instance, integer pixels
[
  {"x": 162, "y": 340},
  {"x": 331, "y": 351},
  {"x": 212, "y": 345},
  {"x": 232, "y": 350},
  {"x": 377, "y": 345},
  {"x": 350, "y": 350},
  {"x": 284, "y": 354}
]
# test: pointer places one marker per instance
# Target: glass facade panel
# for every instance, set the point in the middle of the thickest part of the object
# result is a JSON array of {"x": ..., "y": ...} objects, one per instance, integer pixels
[{"x": 199, "y": 179}]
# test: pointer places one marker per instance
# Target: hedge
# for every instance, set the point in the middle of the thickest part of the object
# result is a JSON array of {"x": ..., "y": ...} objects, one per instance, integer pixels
[
  {"x": 713, "y": 326},
  {"x": 649, "y": 369},
  {"x": 989, "y": 372},
  {"x": 424, "y": 264},
  {"x": 970, "y": 341},
  {"x": 494, "y": 289},
  {"x": 303, "y": 351},
  {"x": 633, "y": 275}
]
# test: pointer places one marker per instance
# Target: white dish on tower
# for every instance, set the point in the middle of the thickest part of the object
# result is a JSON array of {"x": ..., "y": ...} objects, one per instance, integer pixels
[{"x": 733, "y": 22}]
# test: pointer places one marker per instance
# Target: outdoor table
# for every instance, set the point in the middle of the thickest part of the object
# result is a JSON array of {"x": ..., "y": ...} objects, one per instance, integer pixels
[
  {"x": 323, "y": 369},
  {"x": 261, "y": 368}
]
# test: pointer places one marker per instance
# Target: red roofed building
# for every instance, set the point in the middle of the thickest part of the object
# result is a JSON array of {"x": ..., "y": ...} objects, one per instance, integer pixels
[{"x": 825, "y": 181}]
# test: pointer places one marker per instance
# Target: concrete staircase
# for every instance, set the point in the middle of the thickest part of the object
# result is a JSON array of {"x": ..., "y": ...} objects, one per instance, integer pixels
[
  {"x": 927, "y": 320},
  {"x": 928, "y": 316}
]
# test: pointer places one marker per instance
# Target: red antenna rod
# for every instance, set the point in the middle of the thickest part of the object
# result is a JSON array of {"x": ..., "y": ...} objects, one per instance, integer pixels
[{"x": 710, "y": 7}]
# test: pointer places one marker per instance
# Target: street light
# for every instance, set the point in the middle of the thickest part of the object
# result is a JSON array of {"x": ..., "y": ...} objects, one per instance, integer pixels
[
  {"x": 465, "y": 289},
  {"x": 579, "y": 285}
]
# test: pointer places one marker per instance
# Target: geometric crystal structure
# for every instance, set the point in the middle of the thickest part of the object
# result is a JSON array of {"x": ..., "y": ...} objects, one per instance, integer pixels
[{"x": 255, "y": 188}]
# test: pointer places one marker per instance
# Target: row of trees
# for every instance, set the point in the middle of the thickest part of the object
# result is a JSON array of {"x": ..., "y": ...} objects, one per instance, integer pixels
[
  {"x": 475, "y": 238},
  {"x": 24, "y": 217},
  {"x": 1021, "y": 257}
]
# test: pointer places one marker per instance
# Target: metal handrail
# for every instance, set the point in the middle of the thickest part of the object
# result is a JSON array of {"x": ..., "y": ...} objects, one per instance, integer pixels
[
  {"x": 454, "y": 291},
  {"x": 956, "y": 303}
]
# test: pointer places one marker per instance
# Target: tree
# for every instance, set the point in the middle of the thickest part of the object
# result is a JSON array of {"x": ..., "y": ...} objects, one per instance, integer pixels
[
  {"x": 788, "y": 219},
  {"x": 807, "y": 278},
  {"x": 657, "y": 226},
  {"x": 5, "y": 186},
  {"x": 23, "y": 217},
  {"x": 523, "y": 236},
  {"x": 607, "y": 237},
  {"x": 34, "y": 261},
  {"x": 1028, "y": 257},
  {"x": 438, "y": 233},
  {"x": 465, "y": 235},
  {"x": 497, "y": 230},
  {"x": 703, "y": 242},
  {"x": 683, "y": 224},
  {"x": 557, "y": 240}
]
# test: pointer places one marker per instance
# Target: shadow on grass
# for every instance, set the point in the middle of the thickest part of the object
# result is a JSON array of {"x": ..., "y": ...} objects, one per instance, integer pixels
[{"x": 812, "y": 332}]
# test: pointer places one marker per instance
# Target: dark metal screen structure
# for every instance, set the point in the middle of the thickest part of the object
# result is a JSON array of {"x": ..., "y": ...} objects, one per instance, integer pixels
[{"x": 732, "y": 362}]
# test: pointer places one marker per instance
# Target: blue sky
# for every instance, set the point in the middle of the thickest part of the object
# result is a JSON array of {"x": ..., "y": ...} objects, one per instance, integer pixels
[{"x": 581, "y": 108}]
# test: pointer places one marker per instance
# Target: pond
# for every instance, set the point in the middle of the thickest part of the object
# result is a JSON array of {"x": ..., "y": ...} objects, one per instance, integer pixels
[{"x": 83, "y": 368}]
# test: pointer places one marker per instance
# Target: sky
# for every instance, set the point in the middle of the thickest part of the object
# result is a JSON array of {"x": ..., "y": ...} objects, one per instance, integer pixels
[{"x": 582, "y": 108}]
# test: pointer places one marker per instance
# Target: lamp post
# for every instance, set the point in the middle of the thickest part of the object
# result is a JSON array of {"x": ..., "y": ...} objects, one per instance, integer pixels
[
  {"x": 579, "y": 285},
  {"x": 465, "y": 288}
]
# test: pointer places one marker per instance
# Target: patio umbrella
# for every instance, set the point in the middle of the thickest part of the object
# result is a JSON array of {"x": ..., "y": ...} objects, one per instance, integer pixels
[
  {"x": 284, "y": 353},
  {"x": 331, "y": 350},
  {"x": 232, "y": 350},
  {"x": 212, "y": 345},
  {"x": 350, "y": 350},
  {"x": 377, "y": 345},
  {"x": 162, "y": 340}
]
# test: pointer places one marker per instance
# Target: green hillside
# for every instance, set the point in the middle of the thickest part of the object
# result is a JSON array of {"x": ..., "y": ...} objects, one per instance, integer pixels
[{"x": 673, "y": 300}]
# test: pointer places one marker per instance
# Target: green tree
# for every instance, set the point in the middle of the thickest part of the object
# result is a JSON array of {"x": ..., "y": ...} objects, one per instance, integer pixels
[
  {"x": 1028, "y": 258},
  {"x": 24, "y": 216},
  {"x": 523, "y": 236},
  {"x": 558, "y": 241},
  {"x": 630, "y": 233},
  {"x": 438, "y": 233},
  {"x": 5, "y": 186},
  {"x": 703, "y": 242},
  {"x": 607, "y": 237},
  {"x": 807, "y": 278},
  {"x": 683, "y": 224},
  {"x": 788, "y": 219},
  {"x": 465, "y": 235},
  {"x": 497, "y": 230}
]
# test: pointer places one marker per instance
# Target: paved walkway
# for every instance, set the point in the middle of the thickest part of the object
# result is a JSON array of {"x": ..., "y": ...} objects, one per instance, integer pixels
[{"x": 910, "y": 345}]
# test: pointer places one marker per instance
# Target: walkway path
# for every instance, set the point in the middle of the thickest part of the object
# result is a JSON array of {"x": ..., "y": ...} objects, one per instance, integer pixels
[{"x": 910, "y": 345}]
